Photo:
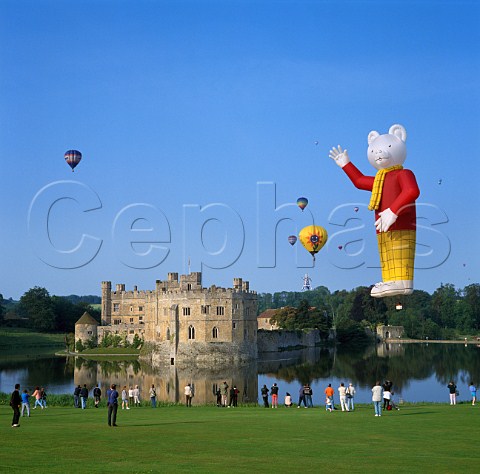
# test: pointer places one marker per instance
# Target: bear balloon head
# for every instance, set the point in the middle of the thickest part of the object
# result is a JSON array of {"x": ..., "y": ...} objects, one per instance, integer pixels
[{"x": 389, "y": 149}]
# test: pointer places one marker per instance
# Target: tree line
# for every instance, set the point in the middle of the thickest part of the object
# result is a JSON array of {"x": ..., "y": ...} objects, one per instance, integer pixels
[
  {"x": 445, "y": 314},
  {"x": 39, "y": 310}
]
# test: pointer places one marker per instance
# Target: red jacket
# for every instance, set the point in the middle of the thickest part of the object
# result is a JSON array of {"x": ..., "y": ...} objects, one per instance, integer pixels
[{"x": 400, "y": 190}]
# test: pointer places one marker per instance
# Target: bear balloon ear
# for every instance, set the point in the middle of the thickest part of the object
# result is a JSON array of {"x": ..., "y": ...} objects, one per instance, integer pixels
[
  {"x": 372, "y": 135},
  {"x": 399, "y": 131}
]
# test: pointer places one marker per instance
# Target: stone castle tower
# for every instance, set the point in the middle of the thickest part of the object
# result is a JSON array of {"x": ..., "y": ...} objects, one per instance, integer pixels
[{"x": 183, "y": 320}]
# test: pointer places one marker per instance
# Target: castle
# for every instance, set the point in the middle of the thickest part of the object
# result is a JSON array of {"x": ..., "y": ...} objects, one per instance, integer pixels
[{"x": 184, "y": 322}]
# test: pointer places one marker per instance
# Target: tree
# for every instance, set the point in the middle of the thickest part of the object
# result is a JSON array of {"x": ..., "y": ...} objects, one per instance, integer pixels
[{"x": 36, "y": 304}]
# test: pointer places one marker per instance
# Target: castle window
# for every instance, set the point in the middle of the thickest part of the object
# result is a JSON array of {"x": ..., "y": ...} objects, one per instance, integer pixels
[
  {"x": 117, "y": 321},
  {"x": 168, "y": 334},
  {"x": 140, "y": 318},
  {"x": 140, "y": 308},
  {"x": 131, "y": 308},
  {"x": 116, "y": 307},
  {"x": 189, "y": 286},
  {"x": 191, "y": 332},
  {"x": 206, "y": 309},
  {"x": 131, "y": 320},
  {"x": 236, "y": 305},
  {"x": 215, "y": 333},
  {"x": 186, "y": 311},
  {"x": 234, "y": 325},
  {"x": 131, "y": 331},
  {"x": 89, "y": 333},
  {"x": 220, "y": 310}
]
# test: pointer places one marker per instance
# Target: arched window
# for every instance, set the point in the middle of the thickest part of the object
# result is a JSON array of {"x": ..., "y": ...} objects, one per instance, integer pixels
[
  {"x": 191, "y": 332},
  {"x": 168, "y": 334},
  {"x": 215, "y": 333}
]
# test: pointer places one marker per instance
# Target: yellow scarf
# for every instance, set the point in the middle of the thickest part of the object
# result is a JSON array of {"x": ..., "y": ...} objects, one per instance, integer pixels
[{"x": 378, "y": 186}]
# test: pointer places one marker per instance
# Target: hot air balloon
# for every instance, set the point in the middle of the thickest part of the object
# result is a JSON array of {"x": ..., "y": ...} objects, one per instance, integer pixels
[
  {"x": 313, "y": 238},
  {"x": 292, "y": 239},
  {"x": 355, "y": 209},
  {"x": 340, "y": 247},
  {"x": 73, "y": 157},
  {"x": 302, "y": 203}
]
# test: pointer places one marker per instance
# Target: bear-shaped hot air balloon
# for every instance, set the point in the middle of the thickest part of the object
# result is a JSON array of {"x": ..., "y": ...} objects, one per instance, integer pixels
[{"x": 394, "y": 191}]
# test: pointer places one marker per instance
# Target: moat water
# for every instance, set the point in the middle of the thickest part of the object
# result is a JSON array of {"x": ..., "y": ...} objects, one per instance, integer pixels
[{"x": 419, "y": 372}]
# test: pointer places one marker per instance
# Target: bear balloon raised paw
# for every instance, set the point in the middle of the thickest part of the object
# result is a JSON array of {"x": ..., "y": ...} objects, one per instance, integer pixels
[{"x": 394, "y": 191}]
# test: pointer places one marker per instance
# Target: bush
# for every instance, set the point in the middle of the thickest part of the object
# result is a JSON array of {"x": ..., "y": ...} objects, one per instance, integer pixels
[{"x": 79, "y": 346}]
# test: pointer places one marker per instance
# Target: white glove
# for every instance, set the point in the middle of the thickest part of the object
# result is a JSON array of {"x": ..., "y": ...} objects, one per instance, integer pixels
[
  {"x": 339, "y": 156},
  {"x": 386, "y": 220}
]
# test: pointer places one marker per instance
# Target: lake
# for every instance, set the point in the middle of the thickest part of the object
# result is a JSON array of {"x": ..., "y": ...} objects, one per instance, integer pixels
[{"x": 419, "y": 372}]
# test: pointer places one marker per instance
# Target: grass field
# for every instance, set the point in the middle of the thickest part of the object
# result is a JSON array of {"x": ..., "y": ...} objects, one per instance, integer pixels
[
  {"x": 14, "y": 338},
  {"x": 419, "y": 438}
]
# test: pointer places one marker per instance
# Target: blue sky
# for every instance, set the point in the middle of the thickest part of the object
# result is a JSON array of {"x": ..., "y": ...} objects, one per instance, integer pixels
[{"x": 202, "y": 122}]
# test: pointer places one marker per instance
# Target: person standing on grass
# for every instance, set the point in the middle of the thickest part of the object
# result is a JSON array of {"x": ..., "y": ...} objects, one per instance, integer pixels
[
  {"x": 153, "y": 396},
  {"x": 350, "y": 394},
  {"x": 25, "y": 402},
  {"x": 329, "y": 392},
  {"x": 188, "y": 395},
  {"x": 342, "y": 393},
  {"x": 307, "y": 390},
  {"x": 274, "y": 393},
  {"x": 130, "y": 396},
  {"x": 125, "y": 398},
  {"x": 43, "y": 397},
  {"x": 264, "y": 392},
  {"x": 15, "y": 402},
  {"x": 97, "y": 395},
  {"x": 301, "y": 397},
  {"x": 136, "y": 396},
  {"x": 38, "y": 398},
  {"x": 84, "y": 396},
  {"x": 112, "y": 403},
  {"x": 473, "y": 392},
  {"x": 377, "y": 395},
  {"x": 225, "y": 394},
  {"x": 452, "y": 388},
  {"x": 76, "y": 396}
]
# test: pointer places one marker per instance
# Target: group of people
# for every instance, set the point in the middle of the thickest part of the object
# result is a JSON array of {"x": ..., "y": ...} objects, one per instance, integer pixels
[
  {"x": 453, "y": 391},
  {"x": 22, "y": 401},
  {"x": 224, "y": 392},
  {"x": 80, "y": 396}
]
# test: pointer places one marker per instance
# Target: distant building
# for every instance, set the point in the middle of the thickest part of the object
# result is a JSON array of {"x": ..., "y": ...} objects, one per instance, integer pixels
[
  {"x": 389, "y": 332},
  {"x": 182, "y": 320},
  {"x": 264, "y": 320}
]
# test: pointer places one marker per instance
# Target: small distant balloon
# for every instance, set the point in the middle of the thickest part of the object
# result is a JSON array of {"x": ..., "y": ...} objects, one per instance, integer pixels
[
  {"x": 316, "y": 142},
  {"x": 302, "y": 203},
  {"x": 439, "y": 181},
  {"x": 73, "y": 157},
  {"x": 340, "y": 247},
  {"x": 464, "y": 264},
  {"x": 355, "y": 209},
  {"x": 292, "y": 239}
]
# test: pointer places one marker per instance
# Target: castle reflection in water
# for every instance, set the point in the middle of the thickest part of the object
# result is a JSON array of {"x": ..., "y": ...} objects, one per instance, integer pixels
[{"x": 169, "y": 381}]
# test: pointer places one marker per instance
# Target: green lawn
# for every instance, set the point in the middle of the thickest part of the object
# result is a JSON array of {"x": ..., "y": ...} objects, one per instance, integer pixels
[
  {"x": 12, "y": 338},
  {"x": 418, "y": 438}
]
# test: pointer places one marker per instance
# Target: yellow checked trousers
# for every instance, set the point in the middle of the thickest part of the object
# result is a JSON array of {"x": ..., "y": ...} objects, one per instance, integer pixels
[{"x": 397, "y": 254}]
